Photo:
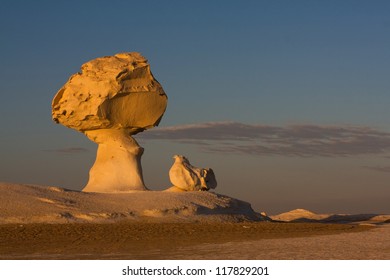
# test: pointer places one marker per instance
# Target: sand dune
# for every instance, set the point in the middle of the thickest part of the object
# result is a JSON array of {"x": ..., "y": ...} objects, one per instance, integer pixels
[
  {"x": 38, "y": 204},
  {"x": 41, "y": 204},
  {"x": 302, "y": 215}
]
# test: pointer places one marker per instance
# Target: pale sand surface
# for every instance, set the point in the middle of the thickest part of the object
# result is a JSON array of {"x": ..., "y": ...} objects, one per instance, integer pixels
[
  {"x": 250, "y": 240},
  {"x": 38, "y": 204},
  {"x": 302, "y": 215}
]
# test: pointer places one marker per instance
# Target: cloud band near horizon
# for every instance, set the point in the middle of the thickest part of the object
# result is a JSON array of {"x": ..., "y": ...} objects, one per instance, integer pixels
[
  {"x": 69, "y": 150},
  {"x": 291, "y": 140}
]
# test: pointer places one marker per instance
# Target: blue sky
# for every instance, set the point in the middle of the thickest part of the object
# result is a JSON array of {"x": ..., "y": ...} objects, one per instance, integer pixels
[{"x": 286, "y": 100}]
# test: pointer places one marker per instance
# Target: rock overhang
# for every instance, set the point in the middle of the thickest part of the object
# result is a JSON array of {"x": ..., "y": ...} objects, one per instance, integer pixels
[{"x": 117, "y": 92}]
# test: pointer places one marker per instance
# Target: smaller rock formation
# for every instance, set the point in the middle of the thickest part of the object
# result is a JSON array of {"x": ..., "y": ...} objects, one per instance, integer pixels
[{"x": 190, "y": 178}]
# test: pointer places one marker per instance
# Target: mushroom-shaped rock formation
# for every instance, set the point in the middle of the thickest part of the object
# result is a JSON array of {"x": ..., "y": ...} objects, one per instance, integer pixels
[
  {"x": 190, "y": 178},
  {"x": 112, "y": 98}
]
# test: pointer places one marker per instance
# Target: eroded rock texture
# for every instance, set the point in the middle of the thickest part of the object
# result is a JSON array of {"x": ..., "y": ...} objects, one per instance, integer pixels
[
  {"x": 187, "y": 177},
  {"x": 112, "y": 98}
]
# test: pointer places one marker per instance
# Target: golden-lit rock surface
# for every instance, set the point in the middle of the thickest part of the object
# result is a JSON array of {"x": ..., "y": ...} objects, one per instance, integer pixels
[
  {"x": 111, "y": 92},
  {"x": 112, "y": 98}
]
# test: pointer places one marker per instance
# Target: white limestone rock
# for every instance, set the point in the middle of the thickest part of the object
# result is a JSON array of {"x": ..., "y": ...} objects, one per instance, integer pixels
[
  {"x": 112, "y": 98},
  {"x": 186, "y": 177},
  {"x": 117, "y": 167}
]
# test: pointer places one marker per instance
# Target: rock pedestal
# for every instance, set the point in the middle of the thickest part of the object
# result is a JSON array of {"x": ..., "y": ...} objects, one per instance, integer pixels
[{"x": 118, "y": 162}]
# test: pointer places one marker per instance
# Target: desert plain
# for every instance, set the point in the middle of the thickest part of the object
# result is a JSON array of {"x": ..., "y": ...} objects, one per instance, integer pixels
[{"x": 39, "y": 222}]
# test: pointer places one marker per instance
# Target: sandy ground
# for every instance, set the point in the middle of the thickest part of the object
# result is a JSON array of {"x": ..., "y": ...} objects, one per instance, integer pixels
[
  {"x": 251, "y": 240},
  {"x": 368, "y": 245},
  {"x": 38, "y": 222},
  {"x": 39, "y": 204}
]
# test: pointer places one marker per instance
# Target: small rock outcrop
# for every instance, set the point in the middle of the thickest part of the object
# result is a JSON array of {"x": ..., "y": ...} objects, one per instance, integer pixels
[
  {"x": 112, "y": 98},
  {"x": 190, "y": 178}
]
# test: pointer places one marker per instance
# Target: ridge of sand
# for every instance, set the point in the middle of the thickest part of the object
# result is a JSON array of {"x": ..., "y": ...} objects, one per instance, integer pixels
[
  {"x": 303, "y": 215},
  {"x": 297, "y": 214},
  {"x": 38, "y": 204}
]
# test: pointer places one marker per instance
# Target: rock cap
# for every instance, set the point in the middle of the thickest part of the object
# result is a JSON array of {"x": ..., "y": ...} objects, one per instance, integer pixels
[{"x": 117, "y": 92}]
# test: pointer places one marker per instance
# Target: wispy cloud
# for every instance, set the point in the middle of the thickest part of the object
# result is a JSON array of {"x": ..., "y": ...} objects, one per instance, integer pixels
[
  {"x": 70, "y": 150},
  {"x": 378, "y": 168},
  {"x": 293, "y": 140}
]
